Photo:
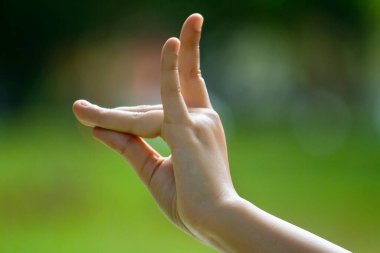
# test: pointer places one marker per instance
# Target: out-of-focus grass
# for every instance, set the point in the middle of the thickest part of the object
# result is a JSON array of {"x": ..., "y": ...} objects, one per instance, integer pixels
[{"x": 60, "y": 191}]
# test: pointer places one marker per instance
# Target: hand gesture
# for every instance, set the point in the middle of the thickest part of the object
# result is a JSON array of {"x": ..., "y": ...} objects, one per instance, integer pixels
[
  {"x": 191, "y": 183},
  {"x": 192, "y": 186}
]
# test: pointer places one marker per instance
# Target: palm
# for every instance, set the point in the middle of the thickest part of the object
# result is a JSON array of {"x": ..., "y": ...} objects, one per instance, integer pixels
[
  {"x": 163, "y": 183},
  {"x": 163, "y": 189}
]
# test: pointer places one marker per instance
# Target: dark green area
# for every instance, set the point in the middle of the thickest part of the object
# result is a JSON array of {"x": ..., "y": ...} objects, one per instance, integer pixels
[{"x": 32, "y": 30}]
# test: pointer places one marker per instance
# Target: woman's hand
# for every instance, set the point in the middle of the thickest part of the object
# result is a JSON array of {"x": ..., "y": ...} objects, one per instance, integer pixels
[
  {"x": 190, "y": 184},
  {"x": 193, "y": 186}
]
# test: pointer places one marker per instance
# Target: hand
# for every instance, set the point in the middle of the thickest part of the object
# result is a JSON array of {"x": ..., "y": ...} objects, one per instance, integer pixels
[
  {"x": 190, "y": 184},
  {"x": 193, "y": 186}
]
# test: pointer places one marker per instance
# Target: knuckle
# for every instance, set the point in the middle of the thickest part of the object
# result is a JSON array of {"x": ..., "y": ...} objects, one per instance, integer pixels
[
  {"x": 136, "y": 115},
  {"x": 209, "y": 123},
  {"x": 213, "y": 118},
  {"x": 195, "y": 72},
  {"x": 128, "y": 141},
  {"x": 169, "y": 67},
  {"x": 200, "y": 130},
  {"x": 133, "y": 124},
  {"x": 173, "y": 88},
  {"x": 101, "y": 115},
  {"x": 172, "y": 136},
  {"x": 192, "y": 43},
  {"x": 213, "y": 115}
]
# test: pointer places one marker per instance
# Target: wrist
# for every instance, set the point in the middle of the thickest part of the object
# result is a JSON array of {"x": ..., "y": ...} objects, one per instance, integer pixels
[{"x": 212, "y": 227}]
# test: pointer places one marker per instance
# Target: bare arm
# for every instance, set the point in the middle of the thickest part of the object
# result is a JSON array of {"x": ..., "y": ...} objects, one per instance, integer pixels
[{"x": 193, "y": 186}]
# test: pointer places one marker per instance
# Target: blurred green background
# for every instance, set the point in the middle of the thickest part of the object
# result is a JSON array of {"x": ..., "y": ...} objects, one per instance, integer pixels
[{"x": 296, "y": 84}]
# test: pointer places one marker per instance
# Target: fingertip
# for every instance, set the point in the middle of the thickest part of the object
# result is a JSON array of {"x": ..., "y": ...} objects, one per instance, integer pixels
[
  {"x": 76, "y": 105},
  {"x": 196, "y": 14},
  {"x": 80, "y": 110},
  {"x": 172, "y": 44},
  {"x": 80, "y": 104},
  {"x": 197, "y": 20}
]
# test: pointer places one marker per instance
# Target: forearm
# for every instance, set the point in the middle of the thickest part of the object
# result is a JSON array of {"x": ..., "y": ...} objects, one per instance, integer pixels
[{"x": 239, "y": 226}]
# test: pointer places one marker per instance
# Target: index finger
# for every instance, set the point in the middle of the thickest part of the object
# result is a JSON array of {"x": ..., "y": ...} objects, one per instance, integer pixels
[{"x": 174, "y": 106}]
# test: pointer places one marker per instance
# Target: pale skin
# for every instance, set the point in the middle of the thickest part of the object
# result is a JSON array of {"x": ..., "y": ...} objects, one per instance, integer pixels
[{"x": 192, "y": 186}]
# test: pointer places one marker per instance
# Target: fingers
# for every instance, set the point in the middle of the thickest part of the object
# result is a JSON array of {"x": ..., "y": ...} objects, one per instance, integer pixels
[
  {"x": 145, "y": 124},
  {"x": 174, "y": 106},
  {"x": 140, "y": 155},
  {"x": 140, "y": 108},
  {"x": 192, "y": 84}
]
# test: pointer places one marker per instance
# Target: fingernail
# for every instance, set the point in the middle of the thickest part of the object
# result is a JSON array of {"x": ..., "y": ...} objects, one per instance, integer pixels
[{"x": 84, "y": 103}]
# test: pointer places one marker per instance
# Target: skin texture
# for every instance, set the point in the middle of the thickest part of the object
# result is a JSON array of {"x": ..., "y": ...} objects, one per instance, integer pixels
[{"x": 192, "y": 186}]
